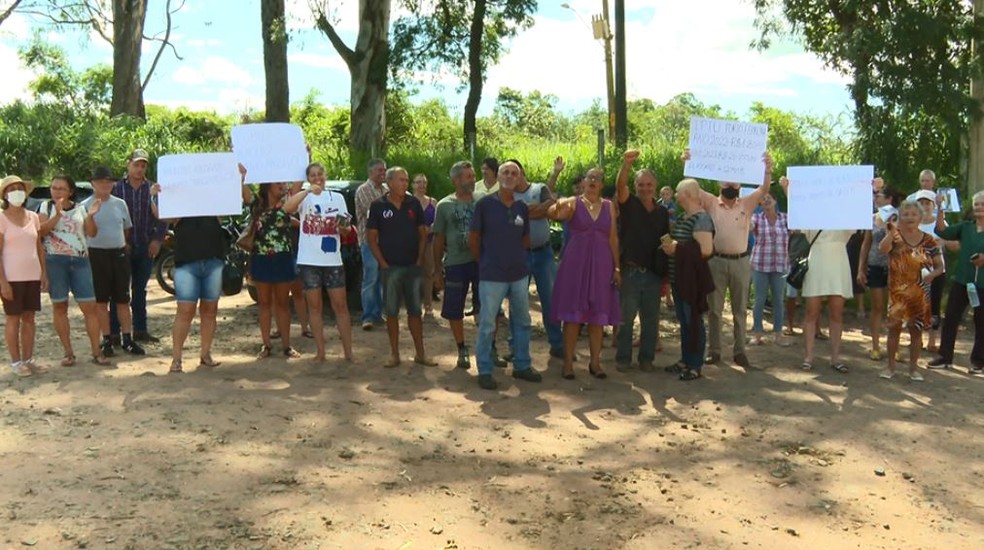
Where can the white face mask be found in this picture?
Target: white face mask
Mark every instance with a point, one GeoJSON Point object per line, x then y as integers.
{"type": "Point", "coordinates": [17, 197]}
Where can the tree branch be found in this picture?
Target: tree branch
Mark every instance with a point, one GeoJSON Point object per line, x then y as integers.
{"type": "Point", "coordinates": [6, 13]}
{"type": "Point", "coordinates": [321, 21]}
{"type": "Point", "coordinates": [166, 41]}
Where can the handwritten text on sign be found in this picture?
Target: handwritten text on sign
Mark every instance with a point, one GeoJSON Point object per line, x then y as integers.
{"type": "Point", "coordinates": [830, 197]}
{"type": "Point", "coordinates": [726, 150]}
{"type": "Point", "coordinates": [199, 184]}
{"type": "Point", "coordinates": [271, 152]}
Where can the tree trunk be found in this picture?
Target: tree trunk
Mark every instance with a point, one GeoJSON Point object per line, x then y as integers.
{"type": "Point", "coordinates": [975, 153]}
{"type": "Point", "coordinates": [476, 73]}
{"type": "Point", "coordinates": [275, 60]}
{"type": "Point", "coordinates": [128, 25]}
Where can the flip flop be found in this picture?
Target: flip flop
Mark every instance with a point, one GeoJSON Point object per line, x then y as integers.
{"type": "Point", "coordinates": [175, 367]}
{"type": "Point", "coordinates": [307, 334]}
{"type": "Point", "coordinates": [207, 361]}
{"type": "Point", "coordinates": [264, 352]}
{"type": "Point", "coordinates": [68, 361]}
{"type": "Point", "coordinates": [100, 360]}
{"type": "Point", "coordinates": [806, 366]}
{"type": "Point", "coordinates": [839, 367]}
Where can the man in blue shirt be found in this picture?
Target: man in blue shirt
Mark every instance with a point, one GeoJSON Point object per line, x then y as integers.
{"type": "Point", "coordinates": [500, 238]}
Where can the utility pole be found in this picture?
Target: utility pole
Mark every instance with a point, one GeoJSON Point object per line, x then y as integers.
{"type": "Point", "coordinates": [621, 110]}
{"type": "Point", "coordinates": [975, 156]}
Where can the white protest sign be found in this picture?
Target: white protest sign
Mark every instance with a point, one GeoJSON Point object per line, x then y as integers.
{"type": "Point", "coordinates": [199, 184]}
{"type": "Point", "coordinates": [951, 202]}
{"type": "Point", "coordinates": [830, 197]}
{"type": "Point", "coordinates": [271, 152]}
{"type": "Point", "coordinates": [726, 150]}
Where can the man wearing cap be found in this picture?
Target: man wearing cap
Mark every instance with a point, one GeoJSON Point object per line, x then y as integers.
{"type": "Point", "coordinates": [109, 262]}
{"type": "Point", "coordinates": [144, 242]}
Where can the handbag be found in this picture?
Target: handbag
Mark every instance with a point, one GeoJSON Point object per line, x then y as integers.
{"type": "Point", "coordinates": [232, 278]}
{"type": "Point", "coordinates": [799, 265]}
{"type": "Point", "coordinates": [245, 241]}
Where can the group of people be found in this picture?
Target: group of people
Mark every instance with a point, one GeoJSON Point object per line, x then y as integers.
{"type": "Point", "coordinates": [488, 239]}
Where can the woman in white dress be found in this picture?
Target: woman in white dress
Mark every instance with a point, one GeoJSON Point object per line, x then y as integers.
{"type": "Point", "coordinates": [829, 277]}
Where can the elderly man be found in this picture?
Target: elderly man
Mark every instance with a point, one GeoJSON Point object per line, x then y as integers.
{"type": "Point", "coordinates": [731, 266]}
{"type": "Point", "coordinates": [397, 237]}
{"type": "Point", "coordinates": [372, 290]}
{"type": "Point", "coordinates": [457, 268]}
{"type": "Point", "coordinates": [499, 238]}
{"type": "Point", "coordinates": [144, 243]}
{"type": "Point", "coordinates": [643, 223]}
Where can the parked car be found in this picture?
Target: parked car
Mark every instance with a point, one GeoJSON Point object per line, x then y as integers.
{"type": "Point", "coordinates": [83, 190]}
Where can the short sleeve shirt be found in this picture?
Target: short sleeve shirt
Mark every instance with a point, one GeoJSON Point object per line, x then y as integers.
{"type": "Point", "coordinates": [67, 238]}
{"type": "Point", "coordinates": [272, 233]}
{"type": "Point", "coordinates": [639, 234]}
{"type": "Point", "coordinates": [732, 224]}
{"type": "Point", "coordinates": [319, 243]}
{"type": "Point", "coordinates": [537, 193]}
{"type": "Point", "coordinates": [501, 228]}
{"type": "Point", "coordinates": [20, 248]}
{"type": "Point", "coordinates": [399, 229]}
{"type": "Point", "coordinates": [453, 220]}
{"type": "Point", "coordinates": [684, 231]}
{"type": "Point", "coordinates": [112, 220]}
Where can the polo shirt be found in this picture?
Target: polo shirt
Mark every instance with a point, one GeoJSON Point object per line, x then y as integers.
{"type": "Point", "coordinates": [731, 224]}
{"type": "Point", "coordinates": [399, 236]}
{"type": "Point", "coordinates": [639, 235]}
{"type": "Point", "coordinates": [502, 256]}
{"type": "Point", "coordinates": [537, 193]}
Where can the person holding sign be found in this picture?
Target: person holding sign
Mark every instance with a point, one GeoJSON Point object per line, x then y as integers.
{"type": "Point", "coordinates": [914, 262]}
{"type": "Point", "coordinates": [730, 265]}
{"type": "Point", "coordinates": [324, 220]}
{"type": "Point", "coordinates": [398, 238]}
{"type": "Point", "coordinates": [372, 289]}
{"type": "Point", "coordinates": [968, 283]}
{"type": "Point", "coordinates": [829, 277]}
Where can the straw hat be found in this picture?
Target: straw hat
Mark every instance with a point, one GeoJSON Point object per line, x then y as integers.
{"type": "Point", "coordinates": [10, 180]}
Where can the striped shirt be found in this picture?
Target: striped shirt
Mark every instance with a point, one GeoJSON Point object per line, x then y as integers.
{"type": "Point", "coordinates": [684, 231]}
{"type": "Point", "coordinates": [146, 227]}
{"type": "Point", "coordinates": [771, 251]}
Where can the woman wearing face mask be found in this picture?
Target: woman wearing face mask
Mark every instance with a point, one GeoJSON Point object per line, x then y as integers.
{"type": "Point", "coordinates": [23, 274]}
{"type": "Point", "coordinates": [770, 262]}
{"type": "Point", "coordinates": [914, 261]}
{"type": "Point", "coordinates": [427, 292]}
{"type": "Point", "coordinates": [873, 264]}
{"type": "Point", "coordinates": [65, 227]}
{"type": "Point", "coordinates": [272, 266]}
{"type": "Point", "coordinates": [968, 282]}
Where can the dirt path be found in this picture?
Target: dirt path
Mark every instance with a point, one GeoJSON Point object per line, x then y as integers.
{"type": "Point", "coordinates": [274, 454]}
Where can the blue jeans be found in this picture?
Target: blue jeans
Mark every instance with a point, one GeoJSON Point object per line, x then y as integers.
{"type": "Point", "coordinates": [141, 265]}
{"type": "Point", "coordinates": [200, 280]}
{"type": "Point", "coordinates": [684, 312]}
{"type": "Point", "coordinates": [372, 288]}
{"type": "Point", "coordinates": [639, 294]}
{"type": "Point", "coordinates": [491, 294]}
{"type": "Point", "coordinates": [543, 269]}
{"type": "Point", "coordinates": [776, 284]}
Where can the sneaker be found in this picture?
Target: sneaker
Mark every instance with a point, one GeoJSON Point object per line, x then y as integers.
{"type": "Point", "coordinates": [529, 375]}
{"type": "Point", "coordinates": [976, 369]}
{"type": "Point", "coordinates": [144, 336]}
{"type": "Point", "coordinates": [366, 325]}
{"type": "Point", "coordinates": [133, 348]}
{"type": "Point", "coordinates": [916, 377]}
{"type": "Point", "coordinates": [938, 363]}
{"type": "Point", "coordinates": [498, 361]}
{"type": "Point", "coordinates": [713, 359]}
{"type": "Point", "coordinates": [107, 348]}
{"type": "Point", "coordinates": [622, 366]}
{"type": "Point", "coordinates": [886, 374]}
{"type": "Point", "coordinates": [464, 362]}
{"type": "Point", "coordinates": [486, 382]}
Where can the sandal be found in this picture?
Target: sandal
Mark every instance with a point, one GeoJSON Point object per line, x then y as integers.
{"type": "Point", "coordinates": [307, 334]}
{"type": "Point", "coordinates": [839, 367]}
{"type": "Point", "coordinates": [175, 367]}
{"type": "Point", "coordinates": [822, 336]}
{"type": "Point", "coordinates": [291, 353]}
{"type": "Point", "coordinates": [599, 374]}
{"type": "Point", "coordinates": [675, 368]}
{"type": "Point", "coordinates": [567, 375]}
{"type": "Point", "coordinates": [68, 360]}
{"type": "Point", "coordinates": [36, 369]}
{"type": "Point", "coordinates": [207, 361]}
{"type": "Point", "coordinates": [689, 374]}
{"type": "Point", "coordinates": [20, 369]}
{"type": "Point", "coordinates": [100, 360]}
{"type": "Point", "coordinates": [264, 352]}
{"type": "Point", "coordinates": [886, 374]}
{"type": "Point", "coordinates": [916, 377]}
{"type": "Point", "coordinates": [789, 332]}
{"type": "Point", "coordinates": [806, 366]}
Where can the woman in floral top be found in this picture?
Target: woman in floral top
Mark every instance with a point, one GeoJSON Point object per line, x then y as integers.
{"type": "Point", "coordinates": [914, 260]}
{"type": "Point", "coordinates": [272, 266]}
{"type": "Point", "coordinates": [770, 262]}
{"type": "Point", "coordinates": [65, 226]}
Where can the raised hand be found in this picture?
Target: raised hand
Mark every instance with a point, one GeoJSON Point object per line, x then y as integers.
{"type": "Point", "coordinates": [94, 206]}
{"type": "Point", "coordinates": [559, 165]}
{"type": "Point", "coordinates": [767, 159]}
{"type": "Point", "coordinates": [155, 189]}
{"type": "Point", "coordinates": [631, 156]}
{"type": "Point", "coordinates": [686, 155]}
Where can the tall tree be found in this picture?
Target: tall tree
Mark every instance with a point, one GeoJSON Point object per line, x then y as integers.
{"type": "Point", "coordinates": [368, 65]}
{"type": "Point", "coordinates": [463, 36]}
{"type": "Point", "coordinates": [7, 9]}
{"type": "Point", "coordinates": [274, 29]}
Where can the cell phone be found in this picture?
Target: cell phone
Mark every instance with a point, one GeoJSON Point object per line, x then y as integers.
{"type": "Point", "coordinates": [666, 238]}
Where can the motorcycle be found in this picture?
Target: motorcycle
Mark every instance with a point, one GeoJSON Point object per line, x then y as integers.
{"type": "Point", "coordinates": [235, 260]}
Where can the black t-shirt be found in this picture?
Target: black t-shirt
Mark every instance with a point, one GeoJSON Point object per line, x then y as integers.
{"type": "Point", "coordinates": [399, 236]}
{"type": "Point", "coordinates": [639, 235]}
{"type": "Point", "coordinates": [197, 239]}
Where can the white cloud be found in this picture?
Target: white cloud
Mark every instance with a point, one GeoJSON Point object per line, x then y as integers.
{"type": "Point", "coordinates": [225, 101]}
{"type": "Point", "coordinates": [333, 61]}
{"type": "Point", "coordinates": [211, 69]}
{"type": "Point", "coordinates": [16, 76]}
{"type": "Point", "coordinates": [204, 43]}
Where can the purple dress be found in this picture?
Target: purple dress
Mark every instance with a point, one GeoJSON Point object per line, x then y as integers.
{"type": "Point", "coordinates": [583, 291]}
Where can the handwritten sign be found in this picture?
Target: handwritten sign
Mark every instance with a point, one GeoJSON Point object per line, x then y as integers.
{"type": "Point", "coordinates": [271, 152]}
{"type": "Point", "coordinates": [830, 197]}
{"type": "Point", "coordinates": [951, 202]}
{"type": "Point", "coordinates": [199, 184]}
{"type": "Point", "coordinates": [726, 150]}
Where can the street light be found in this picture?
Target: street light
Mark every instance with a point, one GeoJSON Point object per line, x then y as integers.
{"type": "Point", "coordinates": [602, 31]}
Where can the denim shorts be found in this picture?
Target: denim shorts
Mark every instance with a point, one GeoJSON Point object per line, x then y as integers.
{"type": "Point", "coordinates": [198, 280]}
{"type": "Point", "coordinates": [69, 273]}
{"type": "Point", "coordinates": [402, 284]}
{"type": "Point", "coordinates": [457, 280]}
{"type": "Point", "coordinates": [314, 277]}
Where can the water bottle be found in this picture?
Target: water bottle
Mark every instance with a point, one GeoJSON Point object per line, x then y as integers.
{"type": "Point", "coordinates": [972, 296]}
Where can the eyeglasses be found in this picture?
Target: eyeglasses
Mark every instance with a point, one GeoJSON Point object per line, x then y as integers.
{"type": "Point", "coordinates": [592, 177]}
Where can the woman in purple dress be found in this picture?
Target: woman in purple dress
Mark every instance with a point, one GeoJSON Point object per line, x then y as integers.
{"type": "Point", "coordinates": [586, 289]}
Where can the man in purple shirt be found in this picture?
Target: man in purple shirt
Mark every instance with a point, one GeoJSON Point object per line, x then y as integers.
{"type": "Point", "coordinates": [144, 244]}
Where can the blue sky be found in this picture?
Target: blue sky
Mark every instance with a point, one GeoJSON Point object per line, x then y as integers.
{"type": "Point", "coordinates": [674, 46]}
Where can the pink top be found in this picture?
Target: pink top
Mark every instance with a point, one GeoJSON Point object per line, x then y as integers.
{"type": "Point", "coordinates": [731, 223]}
{"type": "Point", "coordinates": [20, 248]}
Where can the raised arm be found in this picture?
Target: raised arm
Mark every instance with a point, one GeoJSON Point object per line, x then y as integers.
{"type": "Point", "coordinates": [756, 197]}
{"type": "Point", "coordinates": [558, 167]}
{"type": "Point", "coordinates": [622, 180]}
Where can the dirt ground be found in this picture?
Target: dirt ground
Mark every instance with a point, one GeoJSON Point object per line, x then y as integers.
{"type": "Point", "coordinates": [278, 454]}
